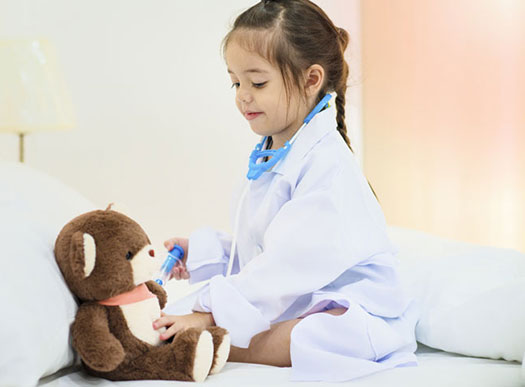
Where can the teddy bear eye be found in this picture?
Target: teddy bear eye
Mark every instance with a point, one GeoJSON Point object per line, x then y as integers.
{"type": "Point", "coordinates": [129, 255]}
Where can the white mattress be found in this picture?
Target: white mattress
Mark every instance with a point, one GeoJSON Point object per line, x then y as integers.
{"type": "Point", "coordinates": [436, 368]}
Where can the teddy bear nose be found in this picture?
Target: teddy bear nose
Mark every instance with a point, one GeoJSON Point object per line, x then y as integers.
{"type": "Point", "coordinates": [152, 253]}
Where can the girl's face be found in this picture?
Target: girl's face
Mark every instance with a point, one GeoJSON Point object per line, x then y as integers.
{"type": "Point", "coordinates": [261, 97]}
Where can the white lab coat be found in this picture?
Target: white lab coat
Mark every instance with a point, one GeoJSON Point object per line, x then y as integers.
{"type": "Point", "coordinates": [312, 237]}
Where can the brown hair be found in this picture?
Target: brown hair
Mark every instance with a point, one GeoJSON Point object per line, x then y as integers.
{"type": "Point", "coordinates": [297, 34]}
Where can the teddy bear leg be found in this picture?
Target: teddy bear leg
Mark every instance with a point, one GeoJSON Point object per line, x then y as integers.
{"type": "Point", "coordinates": [193, 349]}
{"type": "Point", "coordinates": [152, 363]}
{"type": "Point", "coordinates": [221, 348]}
{"type": "Point", "coordinates": [187, 358]}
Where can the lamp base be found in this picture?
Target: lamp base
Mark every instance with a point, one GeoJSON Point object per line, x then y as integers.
{"type": "Point", "coordinates": [21, 147]}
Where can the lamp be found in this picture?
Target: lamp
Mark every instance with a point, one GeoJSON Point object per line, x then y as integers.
{"type": "Point", "coordinates": [33, 95]}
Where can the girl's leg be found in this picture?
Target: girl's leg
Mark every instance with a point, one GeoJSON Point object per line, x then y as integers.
{"type": "Point", "coordinates": [271, 347]}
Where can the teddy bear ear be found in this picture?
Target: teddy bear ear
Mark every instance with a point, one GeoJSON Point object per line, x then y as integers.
{"type": "Point", "coordinates": [119, 207]}
{"type": "Point", "coordinates": [83, 254]}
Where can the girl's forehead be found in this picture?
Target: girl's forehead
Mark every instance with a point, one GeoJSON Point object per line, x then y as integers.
{"type": "Point", "coordinates": [238, 51]}
{"type": "Point", "coordinates": [241, 54]}
{"type": "Point", "coordinates": [241, 60]}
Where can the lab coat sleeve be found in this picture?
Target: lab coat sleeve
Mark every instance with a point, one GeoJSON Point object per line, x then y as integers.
{"type": "Point", "coordinates": [317, 235]}
{"type": "Point", "coordinates": [208, 254]}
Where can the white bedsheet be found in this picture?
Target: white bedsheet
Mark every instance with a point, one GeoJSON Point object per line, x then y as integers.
{"type": "Point", "coordinates": [436, 368]}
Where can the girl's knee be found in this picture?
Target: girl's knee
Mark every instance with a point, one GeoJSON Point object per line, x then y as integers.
{"type": "Point", "coordinates": [239, 355]}
{"type": "Point", "coordinates": [336, 311]}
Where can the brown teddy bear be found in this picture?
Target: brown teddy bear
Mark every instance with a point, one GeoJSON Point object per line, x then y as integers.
{"type": "Point", "coordinates": [107, 261]}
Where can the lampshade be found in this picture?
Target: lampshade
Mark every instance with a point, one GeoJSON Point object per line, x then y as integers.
{"type": "Point", "coordinates": [33, 96]}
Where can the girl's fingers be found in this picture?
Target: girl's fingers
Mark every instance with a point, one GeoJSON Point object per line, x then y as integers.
{"type": "Point", "coordinates": [170, 331]}
{"type": "Point", "coordinates": [170, 243]}
{"type": "Point", "coordinates": [163, 321]}
{"type": "Point", "coordinates": [182, 242]}
{"type": "Point", "coordinates": [177, 272]}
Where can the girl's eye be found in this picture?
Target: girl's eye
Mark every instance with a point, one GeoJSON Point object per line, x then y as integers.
{"type": "Point", "coordinates": [129, 255]}
{"type": "Point", "coordinates": [256, 85]}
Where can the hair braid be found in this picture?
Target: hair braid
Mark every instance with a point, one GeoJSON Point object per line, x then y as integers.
{"type": "Point", "coordinates": [340, 99]}
{"type": "Point", "coordinates": [340, 89]}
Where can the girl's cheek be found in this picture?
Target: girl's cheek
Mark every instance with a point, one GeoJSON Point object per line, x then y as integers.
{"type": "Point", "coordinates": [237, 103]}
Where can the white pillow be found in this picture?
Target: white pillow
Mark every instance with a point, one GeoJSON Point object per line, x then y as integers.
{"type": "Point", "coordinates": [471, 298]}
{"type": "Point", "coordinates": [37, 307]}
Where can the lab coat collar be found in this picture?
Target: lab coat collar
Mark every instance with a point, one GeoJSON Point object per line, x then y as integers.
{"type": "Point", "coordinates": [321, 124]}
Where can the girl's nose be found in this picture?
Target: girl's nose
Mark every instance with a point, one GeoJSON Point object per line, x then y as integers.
{"type": "Point", "coordinates": [244, 96]}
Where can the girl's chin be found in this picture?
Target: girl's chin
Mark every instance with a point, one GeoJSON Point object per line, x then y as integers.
{"type": "Point", "coordinates": [260, 131]}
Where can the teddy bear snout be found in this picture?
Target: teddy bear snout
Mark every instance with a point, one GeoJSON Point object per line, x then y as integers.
{"type": "Point", "coordinates": [152, 253]}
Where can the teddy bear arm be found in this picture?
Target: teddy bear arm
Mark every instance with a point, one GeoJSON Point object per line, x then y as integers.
{"type": "Point", "coordinates": [161, 294]}
{"type": "Point", "coordinates": [97, 346]}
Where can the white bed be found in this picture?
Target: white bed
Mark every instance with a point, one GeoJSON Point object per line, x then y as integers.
{"type": "Point", "coordinates": [436, 368]}
{"type": "Point", "coordinates": [471, 301]}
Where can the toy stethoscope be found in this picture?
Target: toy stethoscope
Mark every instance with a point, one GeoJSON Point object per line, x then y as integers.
{"type": "Point", "coordinates": [256, 169]}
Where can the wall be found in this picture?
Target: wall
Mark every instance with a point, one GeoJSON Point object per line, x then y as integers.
{"type": "Point", "coordinates": [444, 118]}
{"type": "Point", "coordinates": [157, 128]}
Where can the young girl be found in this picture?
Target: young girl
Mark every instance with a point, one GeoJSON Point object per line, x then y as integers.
{"type": "Point", "coordinates": [314, 284]}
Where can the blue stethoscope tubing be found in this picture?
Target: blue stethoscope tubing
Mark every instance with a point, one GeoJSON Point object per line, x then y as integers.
{"type": "Point", "coordinates": [255, 170]}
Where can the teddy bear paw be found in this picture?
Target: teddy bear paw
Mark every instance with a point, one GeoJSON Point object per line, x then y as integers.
{"type": "Point", "coordinates": [203, 357]}
{"type": "Point", "coordinates": [221, 354]}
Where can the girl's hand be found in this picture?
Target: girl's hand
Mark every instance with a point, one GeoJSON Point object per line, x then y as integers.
{"type": "Point", "coordinates": [179, 271]}
{"type": "Point", "coordinates": [176, 323]}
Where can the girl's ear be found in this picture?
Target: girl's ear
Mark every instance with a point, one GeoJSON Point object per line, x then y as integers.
{"type": "Point", "coordinates": [314, 79]}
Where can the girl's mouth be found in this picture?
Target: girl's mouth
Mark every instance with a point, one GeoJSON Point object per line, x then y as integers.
{"type": "Point", "coordinates": [250, 116]}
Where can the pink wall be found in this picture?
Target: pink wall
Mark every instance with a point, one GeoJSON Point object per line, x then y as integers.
{"type": "Point", "coordinates": [347, 14]}
{"type": "Point", "coordinates": [444, 116]}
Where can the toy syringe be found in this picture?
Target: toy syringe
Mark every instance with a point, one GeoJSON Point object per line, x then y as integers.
{"type": "Point", "coordinates": [174, 258]}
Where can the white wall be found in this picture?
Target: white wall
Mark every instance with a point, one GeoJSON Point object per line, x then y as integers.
{"type": "Point", "coordinates": [157, 128]}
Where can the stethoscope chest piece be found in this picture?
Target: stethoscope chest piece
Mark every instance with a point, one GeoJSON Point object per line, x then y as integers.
{"type": "Point", "coordinates": [255, 170]}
